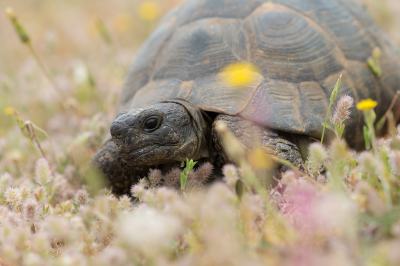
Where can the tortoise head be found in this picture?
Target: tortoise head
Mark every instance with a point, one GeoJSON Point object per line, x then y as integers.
{"type": "Point", "coordinates": [162, 133]}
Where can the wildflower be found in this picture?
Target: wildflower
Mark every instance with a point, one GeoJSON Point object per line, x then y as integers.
{"type": "Point", "coordinates": [13, 219]}
{"type": "Point", "coordinates": [9, 111]}
{"type": "Point", "coordinates": [41, 242]}
{"type": "Point", "coordinates": [30, 211]}
{"type": "Point", "coordinates": [230, 174]}
{"type": "Point", "coordinates": [56, 226]}
{"type": "Point", "coordinates": [124, 202]}
{"type": "Point", "coordinates": [166, 196]}
{"type": "Point", "coordinates": [112, 202]}
{"type": "Point", "coordinates": [317, 153]}
{"type": "Point", "coordinates": [138, 190]}
{"type": "Point", "coordinates": [239, 74]}
{"type": "Point", "coordinates": [339, 150]}
{"type": "Point", "coordinates": [43, 173]}
{"type": "Point", "coordinates": [343, 109]}
{"type": "Point", "coordinates": [173, 178]}
{"type": "Point", "coordinates": [101, 207]}
{"type": "Point", "coordinates": [368, 161]}
{"type": "Point", "coordinates": [13, 196]}
{"type": "Point", "coordinates": [148, 230]}
{"type": "Point", "coordinates": [203, 172]}
{"type": "Point", "coordinates": [149, 10]}
{"type": "Point", "coordinates": [59, 184]}
{"type": "Point", "coordinates": [259, 159]}
{"type": "Point", "coordinates": [144, 182]}
{"type": "Point", "coordinates": [367, 104]}
{"type": "Point", "coordinates": [149, 197]}
{"type": "Point", "coordinates": [25, 191]}
{"type": "Point", "coordinates": [113, 256]}
{"type": "Point", "coordinates": [155, 177]}
{"type": "Point", "coordinates": [82, 197]}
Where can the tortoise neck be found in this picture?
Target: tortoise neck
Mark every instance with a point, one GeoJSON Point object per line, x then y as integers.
{"type": "Point", "coordinates": [201, 127]}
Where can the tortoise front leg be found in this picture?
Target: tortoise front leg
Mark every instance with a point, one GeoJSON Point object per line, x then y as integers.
{"type": "Point", "coordinates": [120, 175]}
{"type": "Point", "coordinates": [252, 135]}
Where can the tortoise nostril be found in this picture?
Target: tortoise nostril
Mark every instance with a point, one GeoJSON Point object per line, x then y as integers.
{"type": "Point", "coordinates": [116, 131]}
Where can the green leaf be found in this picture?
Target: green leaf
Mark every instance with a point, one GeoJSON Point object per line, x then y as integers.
{"type": "Point", "coordinates": [341, 130]}
{"type": "Point", "coordinates": [239, 188]}
{"type": "Point", "coordinates": [328, 127]}
{"type": "Point", "coordinates": [336, 89]}
{"type": "Point", "coordinates": [76, 205]}
{"type": "Point", "coordinates": [182, 164]}
{"type": "Point", "coordinates": [373, 62]}
{"type": "Point", "coordinates": [183, 181]}
{"type": "Point", "coordinates": [380, 123]}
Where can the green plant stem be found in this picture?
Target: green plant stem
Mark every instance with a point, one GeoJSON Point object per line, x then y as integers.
{"type": "Point", "coordinates": [326, 121]}
{"type": "Point", "coordinates": [45, 71]}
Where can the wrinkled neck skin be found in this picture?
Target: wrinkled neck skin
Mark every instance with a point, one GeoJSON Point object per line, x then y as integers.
{"type": "Point", "coordinates": [181, 133]}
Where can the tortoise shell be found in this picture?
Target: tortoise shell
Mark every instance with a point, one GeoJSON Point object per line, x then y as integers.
{"type": "Point", "coordinates": [300, 47]}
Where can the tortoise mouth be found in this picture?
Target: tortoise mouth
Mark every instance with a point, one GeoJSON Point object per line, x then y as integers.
{"type": "Point", "coordinates": [136, 154]}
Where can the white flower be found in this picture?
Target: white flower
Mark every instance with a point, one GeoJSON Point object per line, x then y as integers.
{"type": "Point", "coordinates": [148, 230]}
{"type": "Point", "coordinates": [30, 211]}
{"type": "Point", "coordinates": [13, 196]}
{"type": "Point", "coordinates": [43, 173]}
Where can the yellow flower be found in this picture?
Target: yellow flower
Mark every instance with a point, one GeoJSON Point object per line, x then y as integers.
{"type": "Point", "coordinates": [259, 159]}
{"type": "Point", "coordinates": [122, 22]}
{"type": "Point", "coordinates": [149, 10]}
{"type": "Point", "coordinates": [9, 111]}
{"type": "Point", "coordinates": [239, 74]}
{"type": "Point", "coordinates": [367, 104]}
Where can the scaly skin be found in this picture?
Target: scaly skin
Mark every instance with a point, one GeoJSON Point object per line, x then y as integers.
{"type": "Point", "coordinates": [120, 175]}
{"type": "Point", "coordinates": [181, 133]}
{"type": "Point", "coordinates": [252, 135]}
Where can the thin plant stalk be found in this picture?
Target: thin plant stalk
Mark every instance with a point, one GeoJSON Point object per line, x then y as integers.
{"type": "Point", "coordinates": [332, 100]}
{"type": "Point", "coordinates": [25, 39]}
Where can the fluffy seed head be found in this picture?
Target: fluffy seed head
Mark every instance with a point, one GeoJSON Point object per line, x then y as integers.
{"type": "Point", "coordinates": [43, 173]}
{"type": "Point", "coordinates": [148, 230]}
{"type": "Point", "coordinates": [26, 191]}
{"type": "Point", "coordinates": [144, 182]}
{"type": "Point", "coordinates": [124, 202]}
{"type": "Point", "coordinates": [30, 211]}
{"type": "Point", "coordinates": [204, 172]}
{"type": "Point", "coordinates": [342, 111]}
{"type": "Point", "coordinates": [230, 174]}
{"type": "Point", "coordinates": [13, 196]}
{"type": "Point", "coordinates": [82, 197]}
{"type": "Point", "coordinates": [367, 160]}
{"type": "Point", "coordinates": [155, 177]}
{"type": "Point", "coordinates": [317, 153]}
{"type": "Point", "coordinates": [138, 190]}
{"type": "Point", "coordinates": [173, 178]}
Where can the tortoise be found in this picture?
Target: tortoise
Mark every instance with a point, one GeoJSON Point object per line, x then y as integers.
{"type": "Point", "coordinates": [173, 96]}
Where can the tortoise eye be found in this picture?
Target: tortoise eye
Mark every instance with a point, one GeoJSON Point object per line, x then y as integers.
{"type": "Point", "coordinates": [151, 123]}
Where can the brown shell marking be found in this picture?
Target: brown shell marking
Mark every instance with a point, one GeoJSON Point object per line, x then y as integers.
{"type": "Point", "coordinates": [301, 48]}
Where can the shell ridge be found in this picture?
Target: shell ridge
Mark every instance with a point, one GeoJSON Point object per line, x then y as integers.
{"type": "Point", "coordinates": [315, 23]}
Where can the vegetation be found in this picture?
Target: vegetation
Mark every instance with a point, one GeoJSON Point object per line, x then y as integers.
{"type": "Point", "coordinates": [58, 98]}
